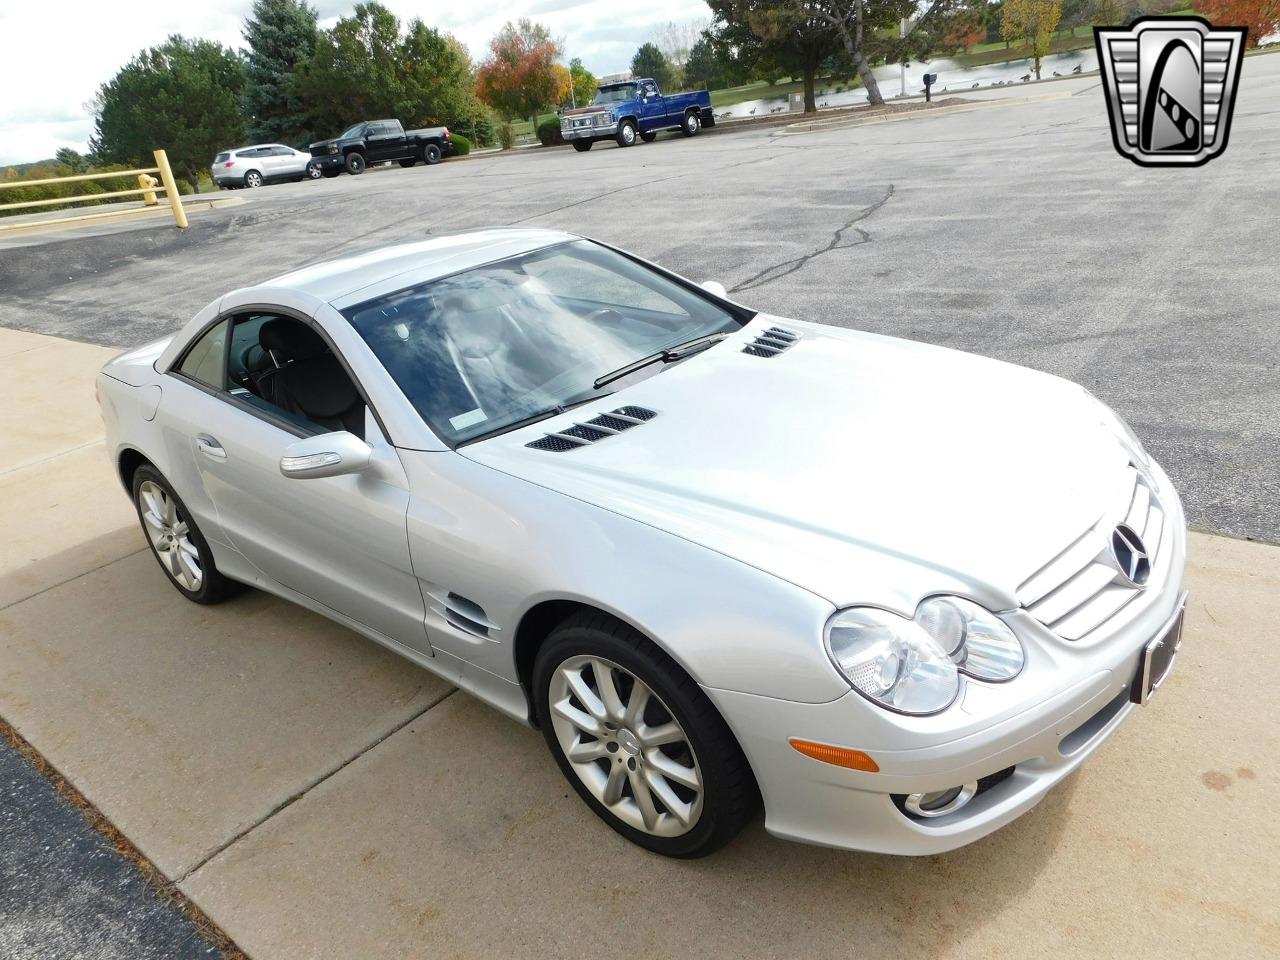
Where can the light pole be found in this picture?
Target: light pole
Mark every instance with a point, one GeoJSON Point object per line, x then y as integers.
{"type": "Point", "coordinates": [902, 35]}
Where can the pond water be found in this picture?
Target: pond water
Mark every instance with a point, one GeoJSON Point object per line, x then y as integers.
{"type": "Point", "coordinates": [952, 79]}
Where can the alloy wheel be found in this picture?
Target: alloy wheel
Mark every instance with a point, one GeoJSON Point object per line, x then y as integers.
{"type": "Point", "coordinates": [253, 179]}
{"type": "Point", "coordinates": [170, 535]}
{"type": "Point", "coordinates": [626, 746]}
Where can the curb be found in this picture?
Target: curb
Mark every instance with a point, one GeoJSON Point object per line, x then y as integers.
{"type": "Point", "coordinates": [822, 126]}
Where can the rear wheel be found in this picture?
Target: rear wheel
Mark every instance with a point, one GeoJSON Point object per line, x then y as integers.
{"type": "Point", "coordinates": [253, 179]}
{"type": "Point", "coordinates": [313, 172]}
{"type": "Point", "coordinates": [355, 164]}
{"type": "Point", "coordinates": [431, 154]}
{"type": "Point", "coordinates": [626, 133]}
{"type": "Point", "coordinates": [582, 146]}
{"type": "Point", "coordinates": [638, 740]}
{"type": "Point", "coordinates": [692, 124]}
{"type": "Point", "coordinates": [176, 542]}
{"type": "Point", "coordinates": [649, 137]}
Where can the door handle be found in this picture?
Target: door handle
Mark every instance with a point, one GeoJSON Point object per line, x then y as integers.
{"type": "Point", "coordinates": [210, 447]}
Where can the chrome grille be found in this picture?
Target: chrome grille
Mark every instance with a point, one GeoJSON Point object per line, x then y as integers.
{"type": "Point", "coordinates": [1080, 589]}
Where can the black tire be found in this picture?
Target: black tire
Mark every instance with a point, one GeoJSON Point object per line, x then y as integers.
{"type": "Point", "coordinates": [730, 796]}
{"type": "Point", "coordinates": [408, 162]}
{"type": "Point", "coordinates": [691, 124]}
{"type": "Point", "coordinates": [355, 164]}
{"type": "Point", "coordinates": [431, 154]}
{"type": "Point", "coordinates": [214, 587]}
{"type": "Point", "coordinates": [649, 137]}
{"type": "Point", "coordinates": [330, 172]}
{"type": "Point", "coordinates": [582, 146]}
{"type": "Point", "coordinates": [627, 131]}
{"type": "Point", "coordinates": [253, 179]}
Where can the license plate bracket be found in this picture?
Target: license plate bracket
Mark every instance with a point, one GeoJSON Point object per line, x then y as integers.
{"type": "Point", "coordinates": [1156, 661]}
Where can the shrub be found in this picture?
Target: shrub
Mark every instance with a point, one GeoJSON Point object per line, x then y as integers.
{"type": "Point", "coordinates": [506, 136]}
{"type": "Point", "coordinates": [549, 132]}
{"type": "Point", "coordinates": [461, 145]}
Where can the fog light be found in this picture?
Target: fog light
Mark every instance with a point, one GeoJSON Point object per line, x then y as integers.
{"type": "Point", "coordinates": [939, 803]}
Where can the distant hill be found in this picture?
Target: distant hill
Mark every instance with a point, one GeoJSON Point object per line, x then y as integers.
{"type": "Point", "coordinates": [21, 168]}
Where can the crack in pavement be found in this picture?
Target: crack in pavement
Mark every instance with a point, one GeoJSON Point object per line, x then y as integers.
{"type": "Point", "coordinates": [788, 267]}
{"type": "Point", "coordinates": [289, 801]}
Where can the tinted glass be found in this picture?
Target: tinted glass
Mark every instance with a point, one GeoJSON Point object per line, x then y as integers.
{"type": "Point", "coordinates": [222, 157]}
{"type": "Point", "coordinates": [281, 152]}
{"type": "Point", "coordinates": [615, 94]}
{"type": "Point", "coordinates": [486, 348]}
{"type": "Point", "coordinates": [204, 361]}
{"type": "Point", "coordinates": [352, 132]}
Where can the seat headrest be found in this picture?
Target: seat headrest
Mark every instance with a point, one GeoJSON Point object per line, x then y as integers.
{"type": "Point", "coordinates": [292, 339]}
{"type": "Point", "coordinates": [320, 387]}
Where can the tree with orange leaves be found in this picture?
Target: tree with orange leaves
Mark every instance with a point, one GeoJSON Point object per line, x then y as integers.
{"type": "Point", "coordinates": [1261, 17]}
{"type": "Point", "coordinates": [520, 76]}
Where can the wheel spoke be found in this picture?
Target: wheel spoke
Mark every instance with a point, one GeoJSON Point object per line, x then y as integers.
{"type": "Point", "coordinates": [584, 751]}
{"type": "Point", "coordinates": [170, 510]}
{"type": "Point", "coordinates": [613, 786]}
{"type": "Point", "coordinates": [181, 530]}
{"type": "Point", "coordinates": [152, 520]}
{"type": "Point", "coordinates": [660, 762]}
{"type": "Point", "coordinates": [190, 569]}
{"type": "Point", "coordinates": [662, 733]}
{"type": "Point", "coordinates": [608, 691]}
{"type": "Point", "coordinates": [644, 799]}
{"type": "Point", "coordinates": [634, 717]}
{"type": "Point", "coordinates": [583, 721]}
{"type": "Point", "coordinates": [679, 809]}
{"type": "Point", "coordinates": [586, 696]}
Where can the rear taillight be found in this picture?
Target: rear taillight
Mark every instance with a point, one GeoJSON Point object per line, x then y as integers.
{"type": "Point", "coordinates": [447, 134]}
{"type": "Point", "coordinates": [231, 163]}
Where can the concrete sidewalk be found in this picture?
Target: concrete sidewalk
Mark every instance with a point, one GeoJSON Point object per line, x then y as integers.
{"type": "Point", "coordinates": [318, 797]}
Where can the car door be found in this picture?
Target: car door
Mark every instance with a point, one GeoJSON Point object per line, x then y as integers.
{"type": "Point", "coordinates": [286, 162]}
{"type": "Point", "coordinates": [652, 109]}
{"type": "Point", "coordinates": [385, 141]}
{"type": "Point", "coordinates": [341, 541]}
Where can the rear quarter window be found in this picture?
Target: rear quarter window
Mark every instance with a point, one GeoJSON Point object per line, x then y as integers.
{"type": "Point", "coordinates": [222, 158]}
{"type": "Point", "coordinates": [204, 359]}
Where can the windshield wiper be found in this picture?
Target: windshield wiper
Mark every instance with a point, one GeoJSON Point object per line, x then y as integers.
{"type": "Point", "coordinates": [678, 352]}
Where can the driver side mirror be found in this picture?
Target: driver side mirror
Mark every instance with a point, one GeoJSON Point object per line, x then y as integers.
{"type": "Point", "coordinates": [715, 287]}
{"type": "Point", "coordinates": [328, 455]}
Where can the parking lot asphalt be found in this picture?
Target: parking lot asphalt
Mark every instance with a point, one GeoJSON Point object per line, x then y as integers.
{"type": "Point", "coordinates": [1013, 230]}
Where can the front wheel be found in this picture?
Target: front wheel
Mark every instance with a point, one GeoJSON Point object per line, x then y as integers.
{"type": "Point", "coordinates": [626, 133]}
{"type": "Point", "coordinates": [175, 540]}
{"type": "Point", "coordinates": [691, 125]}
{"type": "Point", "coordinates": [431, 154]}
{"type": "Point", "coordinates": [639, 741]}
{"type": "Point", "coordinates": [582, 146]}
{"type": "Point", "coordinates": [355, 164]}
{"type": "Point", "coordinates": [649, 137]}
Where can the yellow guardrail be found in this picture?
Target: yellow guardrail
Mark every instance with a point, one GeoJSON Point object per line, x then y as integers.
{"type": "Point", "coordinates": [147, 189]}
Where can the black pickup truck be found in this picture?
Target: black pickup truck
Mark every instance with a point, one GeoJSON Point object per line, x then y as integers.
{"type": "Point", "coordinates": [375, 141]}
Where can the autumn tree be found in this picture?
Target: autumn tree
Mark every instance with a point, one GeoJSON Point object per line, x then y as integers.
{"type": "Point", "coordinates": [519, 77]}
{"type": "Point", "coordinates": [183, 95]}
{"type": "Point", "coordinates": [1032, 21]}
{"type": "Point", "coordinates": [1260, 17]}
{"type": "Point", "coordinates": [964, 29]}
{"type": "Point", "coordinates": [649, 61]}
{"type": "Point", "coordinates": [583, 82]}
{"type": "Point", "coordinates": [280, 35]}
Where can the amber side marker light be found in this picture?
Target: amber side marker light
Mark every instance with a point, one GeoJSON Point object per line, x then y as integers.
{"type": "Point", "coordinates": [836, 756]}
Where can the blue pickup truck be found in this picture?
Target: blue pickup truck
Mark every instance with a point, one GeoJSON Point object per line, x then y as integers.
{"type": "Point", "coordinates": [633, 109]}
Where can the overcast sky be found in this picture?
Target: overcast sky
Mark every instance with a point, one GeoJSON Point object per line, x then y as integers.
{"type": "Point", "coordinates": [45, 83]}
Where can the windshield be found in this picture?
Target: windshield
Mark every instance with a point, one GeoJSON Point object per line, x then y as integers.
{"type": "Point", "coordinates": [490, 347]}
{"type": "Point", "coordinates": [352, 133]}
{"type": "Point", "coordinates": [615, 94]}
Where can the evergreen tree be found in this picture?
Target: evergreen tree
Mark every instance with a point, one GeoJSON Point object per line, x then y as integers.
{"type": "Point", "coordinates": [281, 34]}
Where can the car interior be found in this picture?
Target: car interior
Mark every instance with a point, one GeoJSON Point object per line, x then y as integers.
{"type": "Point", "coordinates": [284, 366]}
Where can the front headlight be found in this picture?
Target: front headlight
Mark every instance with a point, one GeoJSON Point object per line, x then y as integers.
{"type": "Point", "coordinates": [914, 666]}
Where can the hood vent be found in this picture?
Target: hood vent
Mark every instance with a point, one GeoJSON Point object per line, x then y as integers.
{"type": "Point", "coordinates": [771, 343]}
{"type": "Point", "coordinates": [593, 430]}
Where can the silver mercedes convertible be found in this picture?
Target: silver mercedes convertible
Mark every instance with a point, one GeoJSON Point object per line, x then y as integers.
{"type": "Point", "coordinates": [892, 591]}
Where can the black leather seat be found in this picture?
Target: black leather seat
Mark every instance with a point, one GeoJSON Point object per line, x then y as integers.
{"type": "Point", "coordinates": [311, 383]}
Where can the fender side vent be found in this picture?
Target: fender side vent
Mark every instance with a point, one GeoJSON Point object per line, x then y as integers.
{"type": "Point", "coordinates": [594, 430]}
{"type": "Point", "coordinates": [771, 343]}
{"type": "Point", "coordinates": [464, 614]}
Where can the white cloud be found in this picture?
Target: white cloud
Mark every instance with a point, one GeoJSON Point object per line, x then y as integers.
{"type": "Point", "coordinates": [52, 60]}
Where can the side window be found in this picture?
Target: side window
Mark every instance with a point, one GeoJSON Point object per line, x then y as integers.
{"type": "Point", "coordinates": [279, 151]}
{"type": "Point", "coordinates": [203, 361]}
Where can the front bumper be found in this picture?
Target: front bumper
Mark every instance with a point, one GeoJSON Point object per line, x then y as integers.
{"type": "Point", "coordinates": [605, 132]}
{"type": "Point", "coordinates": [330, 161]}
{"type": "Point", "coordinates": [1043, 741]}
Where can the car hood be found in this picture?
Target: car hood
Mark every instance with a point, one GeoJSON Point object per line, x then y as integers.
{"type": "Point", "coordinates": [862, 468]}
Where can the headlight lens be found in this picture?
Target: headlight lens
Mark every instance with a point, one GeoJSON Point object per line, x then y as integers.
{"type": "Point", "coordinates": [892, 660]}
{"type": "Point", "coordinates": [979, 642]}
{"type": "Point", "coordinates": [914, 666]}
